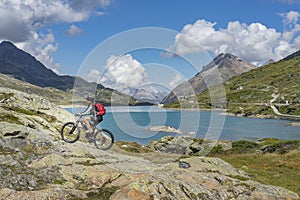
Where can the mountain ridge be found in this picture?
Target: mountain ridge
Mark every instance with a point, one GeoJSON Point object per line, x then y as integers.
{"type": "Point", "coordinates": [227, 65]}
{"type": "Point", "coordinates": [23, 66]}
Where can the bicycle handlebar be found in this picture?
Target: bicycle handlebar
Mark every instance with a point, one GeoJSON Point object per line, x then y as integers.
{"type": "Point", "coordinates": [79, 115]}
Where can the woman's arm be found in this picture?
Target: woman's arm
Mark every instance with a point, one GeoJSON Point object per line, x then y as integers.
{"type": "Point", "coordinates": [87, 110]}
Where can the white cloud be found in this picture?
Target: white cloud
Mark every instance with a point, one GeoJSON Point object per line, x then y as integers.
{"type": "Point", "coordinates": [175, 81]}
{"type": "Point", "coordinates": [30, 15]}
{"type": "Point", "coordinates": [289, 1]}
{"type": "Point", "coordinates": [21, 20]}
{"type": "Point", "coordinates": [290, 34]}
{"type": "Point", "coordinates": [283, 49]}
{"type": "Point", "coordinates": [74, 30]}
{"type": "Point", "coordinates": [94, 76]}
{"type": "Point", "coordinates": [42, 47]}
{"type": "Point", "coordinates": [123, 72]}
{"type": "Point", "coordinates": [290, 18]}
{"type": "Point", "coordinates": [255, 42]}
{"type": "Point", "coordinates": [81, 5]}
{"type": "Point", "coordinates": [12, 27]}
{"type": "Point", "coordinates": [297, 42]}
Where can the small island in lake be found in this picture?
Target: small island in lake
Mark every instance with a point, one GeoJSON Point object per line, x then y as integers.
{"type": "Point", "coordinates": [168, 129]}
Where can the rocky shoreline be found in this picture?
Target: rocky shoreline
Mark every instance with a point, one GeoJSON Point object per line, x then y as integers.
{"type": "Point", "coordinates": [296, 123]}
{"type": "Point", "coordinates": [257, 116]}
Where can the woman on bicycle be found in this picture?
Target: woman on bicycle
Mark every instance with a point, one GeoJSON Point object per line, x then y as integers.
{"type": "Point", "coordinates": [92, 116]}
{"type": "Point", "coordinates": [102, 138]}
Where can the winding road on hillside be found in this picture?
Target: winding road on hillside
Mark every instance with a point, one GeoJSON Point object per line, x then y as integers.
{"type": "Point", "coordinates": [283, 116]}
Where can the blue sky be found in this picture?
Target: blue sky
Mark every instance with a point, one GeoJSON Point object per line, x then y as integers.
{"type": "Point", "coordinates": [63, 33]}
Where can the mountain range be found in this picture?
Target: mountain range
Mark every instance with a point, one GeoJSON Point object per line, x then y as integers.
{"type": "Point", "coordinates": [226, 65]}
{"type": "Point", "coordinates": [21, 65]}
{"type": "Point", "coordinates": [150, 95]}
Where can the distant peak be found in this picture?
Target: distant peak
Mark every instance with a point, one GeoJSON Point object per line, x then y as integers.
{"type": "Point", "coordinates": [270, 61]}
{"type": "Point", "coordinates": [224, 59]}
{"type": "Point", "coordinates": [225, 55]}
{"type": "Point", "coordinates": [7, 44]}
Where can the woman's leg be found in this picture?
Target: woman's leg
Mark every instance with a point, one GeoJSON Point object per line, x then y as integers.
{"type": "Point", "coordinates": [86, 120]}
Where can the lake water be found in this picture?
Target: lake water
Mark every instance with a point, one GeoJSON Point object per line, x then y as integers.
{"type": "Point", "coordinates": [130, 123]}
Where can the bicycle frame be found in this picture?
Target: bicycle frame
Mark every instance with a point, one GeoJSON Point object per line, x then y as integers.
{"type": "Point", "coordinates": [79, 121]}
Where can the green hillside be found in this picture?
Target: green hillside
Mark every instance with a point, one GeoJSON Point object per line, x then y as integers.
{"type": "Point", "coordinates": [281, 79]}
{"type": "Point", "coordinates": [251, 92]}
{"type": "Point", "coordinates": [52, 94]}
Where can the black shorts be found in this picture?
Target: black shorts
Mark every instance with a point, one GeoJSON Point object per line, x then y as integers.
{"type": "Point", "coordinates": [98, 119]}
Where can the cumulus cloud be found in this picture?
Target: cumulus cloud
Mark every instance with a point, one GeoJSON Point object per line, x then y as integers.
{"type": "Point", "coordinates": [175, 80]}
{"type": "Point", "coordinates": [42, 46]}
{"type": "Point", "coordinates": [28, 15]}
{"type": "Point", "coordinates": [12, 28]}
{"type": "Point", "coordinates": [94, 76]}
{"type": "Point", "coordinates": [74, 30]}
{"type": "Point", "coordinates": [255, 42]}
{"type": "Point", "coordinates": [21, 20]}
{"type": "Point", "coordinates": [81, 5]}
{"type": "Point", "coordinates": [290, 18]}
{"type": "Point", "coordinates": [123, 72]}
{"type": "Point", "coordinates": [297, 42]}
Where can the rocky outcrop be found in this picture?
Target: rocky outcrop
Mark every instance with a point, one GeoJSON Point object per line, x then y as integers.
{"type": "Point", "coordinates": [107, 175]}
{"type": "Point", "coordinates": [29, 108]}
{"type": "Point", "coordinates": [36, 164]}
{"type": "Point", "coordinates": [29, 129]}
{"type": "Point", "coordinates": [198, 147]}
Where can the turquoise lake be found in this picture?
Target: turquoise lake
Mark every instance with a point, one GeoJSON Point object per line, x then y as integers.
{"type": "Point", "coordinates": [130, 123]}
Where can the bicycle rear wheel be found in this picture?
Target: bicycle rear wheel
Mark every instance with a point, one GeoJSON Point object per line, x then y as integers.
{"type": "Point", "coordinates": [104, 139]}
{"type": "Point", "coordinates": [69, 132]}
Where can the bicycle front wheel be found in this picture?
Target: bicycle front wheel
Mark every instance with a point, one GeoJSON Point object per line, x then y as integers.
{"type": "Point", "coordinates": [69, 132]}
{"type": "Point", "coordinates": [104, 139]}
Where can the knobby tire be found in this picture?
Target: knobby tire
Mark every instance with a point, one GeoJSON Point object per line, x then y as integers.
{"type": "Point", "coordinates": [69, 129]}
{"type": "Point", "coordinates": [104, 139]}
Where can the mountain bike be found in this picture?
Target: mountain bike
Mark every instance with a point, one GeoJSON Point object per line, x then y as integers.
{"type": "Point", "coordinates": [102, 138]}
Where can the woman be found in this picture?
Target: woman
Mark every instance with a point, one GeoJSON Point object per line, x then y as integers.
{"type": "Point", "coordinates": [92, 116]}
